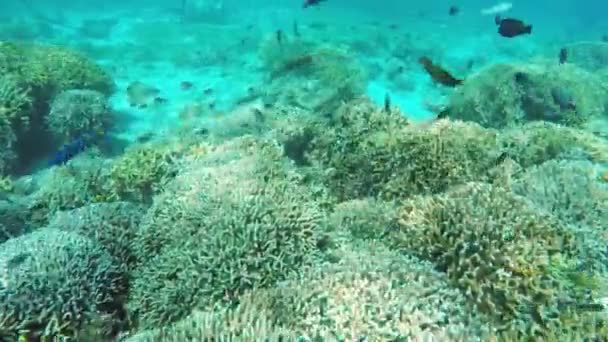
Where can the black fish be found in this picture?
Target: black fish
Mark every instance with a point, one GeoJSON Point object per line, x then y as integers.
{"type": "Point", "coordinates": [439, 74]}
{"type": "Point", "coordinates": [279, 37]}
{"type": "Point", "coordinates": [563, 55]}
{"type": "Point", "coordinates": [454, 10]}
{"type": "Point", "coordinates": [308, 3]}
{"type": "Point", "coordinates": [387, 103]}
{"type": "Point", "coordinates": [510, 27]}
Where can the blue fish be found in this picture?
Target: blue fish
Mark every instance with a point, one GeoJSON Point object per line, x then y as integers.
{"type": "Point", "coordinates": [74, 148]}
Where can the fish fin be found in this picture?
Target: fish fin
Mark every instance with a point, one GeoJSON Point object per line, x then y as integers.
{"type": "Point", "coordinates": [528, 29]}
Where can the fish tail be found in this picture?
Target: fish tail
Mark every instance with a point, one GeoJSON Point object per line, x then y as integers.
{"type": "Point", "coordinates": [528, 29]}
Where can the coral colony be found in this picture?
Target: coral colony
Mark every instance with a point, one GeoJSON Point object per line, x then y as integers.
{"type": "Point", "coordinates": [303, 172]}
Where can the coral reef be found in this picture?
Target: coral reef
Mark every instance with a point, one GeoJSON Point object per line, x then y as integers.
{"type": "Point", "coordinates": [497, 248]}
{"type": "Point", "coordinates": [64, 188]}
{"type": "Point", "coordinates": [247, 322]}
{"type": "Point", "coordinates": [537, 142]}
{"type": "Point", "coordinates": [365, 218]}
{"type": "Point", "coordinates": [336, 76]}
{"type": "Point", "coordinates": [112, 225]}
{"type": "Point", "coordinates": [571, 191]}
{"type": "Point", "coordinates": [55, 283]}
{"type": "Point", "coordinates": [590, 55]}
{"type": "Point", "coordinates": [371, 293]}
{"type": "Point", "coordinates": [141, 172]}
{"type": "Point", "coordinates": [13, 219]}
{"type": "Point", "coordinates": [369, 152]}
{"type": "Point", "coordinates": [375, 294]}
{"type": "Point", "coordinates": [505, 95]}
{"type": "Point", "coordinates": [31, 77]}
{"type": "Point", "coordinates": [76, 112]}
{"type": "Point", "coordinates": [15, 106]}
{"type": "Point", "coordinates": [242, 225]}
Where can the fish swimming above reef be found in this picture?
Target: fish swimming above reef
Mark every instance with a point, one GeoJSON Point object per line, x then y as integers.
{"type": "Point", "coordinates": [453, 10]}
{"type": "Point", "coordinates": [510, 27]}
{"type": "Point", "coordinates": [563, 55]}
{"type": "Point", "coordinates": [74, 148]}
{"type": "Point", "coordinates": [438, 74]}
{"type": "Point", "coordinates": [309, 3]}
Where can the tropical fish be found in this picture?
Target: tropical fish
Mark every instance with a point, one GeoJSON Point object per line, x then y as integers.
{"type": "Point", "coordinates": [308, 3]}
{"type": "Point", "coordinates": [510, 27]}
{"type": "Point", "coordinates": [70, 150]}
{"type": "Point", "coordinates": [185, 85]}
{"type": "Point", "coordinates": [438, 74]}
{"type": "Point", "coordinates": [563, 55]}
{"type": "Point", "coordinates": [453, 10]}
{"type": "Point", "coordinates": [387, 102]}
{"type": "Point", "coordinates": [279, 36]}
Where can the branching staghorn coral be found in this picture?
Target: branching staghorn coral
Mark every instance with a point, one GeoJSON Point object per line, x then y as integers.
{"type": "Point", "coordinates": [142, 172]}
{"type": "Point", "coordinates": [15, 101]}
{"type": "Point", "coordinates": [55, 283]}
{"type": "Point", "coordinates": [498, 249]}
{"type": "Point", "coordinates": [505, 95]}
{"type": "Point", "coordinates": [369, 152]}
{"type": "Point", "coordinates": [64, 188]}
{"type": "Point", "coordinates": [537, 142]}
{"type": "Point", "coordinates": [370, 293]}
{"type": "Point", "coordinates": [376, 294]}
{"type": "Point", "coordinates": [244, 223]}
{"type": "Point", "coordinates": [111, 225]}
{"type": "Point", "coordinates": [76, 112]}
{"type": "Point", "coordinates": [32, 76]}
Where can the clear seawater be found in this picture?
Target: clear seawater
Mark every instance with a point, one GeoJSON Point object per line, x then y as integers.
{"type": "Point", "coordinates": [211, 53]}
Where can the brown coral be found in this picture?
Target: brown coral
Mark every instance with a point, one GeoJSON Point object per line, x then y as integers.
{"type": "Point", "coordinates": [494, 246]}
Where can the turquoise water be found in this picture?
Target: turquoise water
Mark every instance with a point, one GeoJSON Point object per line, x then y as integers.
{"type": "Point", "coordinates": [200, 170]}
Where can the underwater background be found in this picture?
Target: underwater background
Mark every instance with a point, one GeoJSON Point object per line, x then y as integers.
{"type": "Point", "coordinates": [303, 170]}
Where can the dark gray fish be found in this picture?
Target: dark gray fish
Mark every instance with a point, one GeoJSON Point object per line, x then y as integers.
{"type": "Point", "coordinates": [387, 103]}
{"type": "Point", "coordinates": [510, 27]}
{"type": "Point", "coordinates": [563, 55]}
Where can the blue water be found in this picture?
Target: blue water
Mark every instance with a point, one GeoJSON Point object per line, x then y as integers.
{"type": "Point", "coordinates": [201, 67]}
{"type": "Point", "coordinates": [454, 40]}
